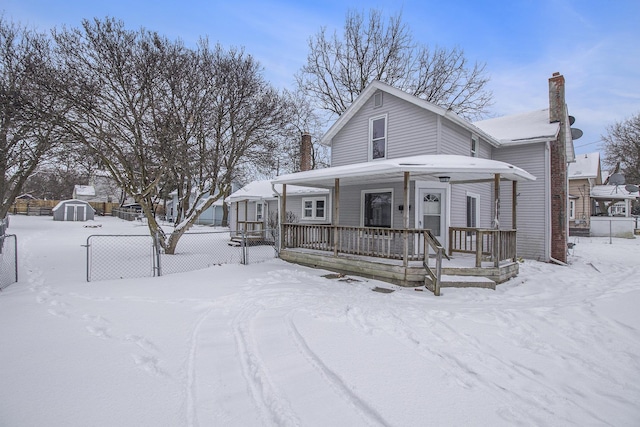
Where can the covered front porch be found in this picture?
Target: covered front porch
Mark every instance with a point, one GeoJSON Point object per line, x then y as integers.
{"type": "Point", "coordinates": [427, 249]}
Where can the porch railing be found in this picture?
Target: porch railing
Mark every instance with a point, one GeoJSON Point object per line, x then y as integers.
{"type": "Point", "coordinates": [367, 241]}
{"type": "Point", "coordinates": [487, 244]}
{"type": "Point", "coordinates": [250, 228]}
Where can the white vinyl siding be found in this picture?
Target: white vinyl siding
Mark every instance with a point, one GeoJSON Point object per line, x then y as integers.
{"type": "Point", "coordinates": [533, 206]}
{"type": "Point", "coordinates": [411, 130]}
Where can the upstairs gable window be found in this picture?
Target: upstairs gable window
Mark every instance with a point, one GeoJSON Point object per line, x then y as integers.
{"type": "Point", "coordinates": [378, 137]}
{"type": "Point", "coordinates": [474, 146]}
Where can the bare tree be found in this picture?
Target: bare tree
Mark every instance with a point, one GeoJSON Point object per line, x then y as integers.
{"type": "Point", "coordinates": [30, 109]}
{"type": "Point", "coordinates": [622, 147]}
{"type": "Point", "coordinates": [162, 117]}
{"type": "Point", "coordinates": [339, 67]}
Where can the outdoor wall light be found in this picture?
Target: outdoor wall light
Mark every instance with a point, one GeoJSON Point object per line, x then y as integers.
{"type": "Point", "coordinates": [401, 207]}
{"type": "Point", "coordinates": [444, 178]}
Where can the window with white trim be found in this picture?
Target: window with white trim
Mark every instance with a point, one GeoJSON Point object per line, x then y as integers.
{"type": "Point", "coordinates": [378, 137]}
{"type": "Point", "coordinates": [377, 208]}
{"type": "Point", "coordinates": [314, 208]}
{"type": "Point", "coordinates": [473, 209]}
{"type": "Point", "coordinates": [572, 209]}
{"type": "Point", "coordinates": [474, 146]}
{"type": "Point", "coordinates": [259, 211]}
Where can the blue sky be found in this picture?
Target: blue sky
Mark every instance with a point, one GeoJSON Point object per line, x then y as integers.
{"type": "Point", "coordinates": [593, 43]}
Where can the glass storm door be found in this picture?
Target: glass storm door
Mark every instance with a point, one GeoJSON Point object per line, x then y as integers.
{"type": "Point", "coordinates": [432, 212]}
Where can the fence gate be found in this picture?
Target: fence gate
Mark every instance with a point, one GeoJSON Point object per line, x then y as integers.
{"type": "Point", "coordinates": [8, 260]}
{"type": "Point", "coordinates": [119, 257]}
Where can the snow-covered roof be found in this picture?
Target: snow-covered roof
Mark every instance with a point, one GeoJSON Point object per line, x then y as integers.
{"type": "Point", "coordinates": [586, 166]}
{"type": "Point", "coordinates": [72, 201]}
{"type": "Point", "coordinates": [84, 190]}
{"type": "Point", "coordinates": [259, 190]}
{"type": "Point", "coordinates": [376, 85]}
{"type": "Point", "coordinates": [425, 167]}
{"type": "Point", "coordinates": [523, 128]}
{"type": "Point", "coordinates": [612, 192]}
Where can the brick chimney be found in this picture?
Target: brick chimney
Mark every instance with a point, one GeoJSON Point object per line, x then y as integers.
{"type": "Point", "coordinates": [559, 175]}
{"type": "Point", "coordinates": [305, 152]}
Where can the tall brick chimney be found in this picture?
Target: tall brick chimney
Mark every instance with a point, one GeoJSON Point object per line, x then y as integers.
{"type": "Point", "coordinates": [559, 175]}
{"type": "Point", "coordinates": [305, 152]}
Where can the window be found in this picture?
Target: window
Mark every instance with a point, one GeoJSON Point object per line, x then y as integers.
{"type": "Point", "coordinates": [259, 211]}
{"type": "Point", "coordinates": [472, 210]}
{"type": "Point", "coordinates": [377, 99]}
{"type": "Point", "coordinates": [572, 209]}
{"type": "Point", "coordinates": [378, 138]}
{"type": "Point", "coordinates": [474, 146]}
{"type": "Point", "coordinates": [377, 208]}
{"type": "Point", "coordinates": [314, 208]}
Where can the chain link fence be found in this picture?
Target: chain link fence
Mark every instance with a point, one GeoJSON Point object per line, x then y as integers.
{"type": "Point", "coordinates": [131, 256]}
{"type": "Point", "coordinates": [8, 260]}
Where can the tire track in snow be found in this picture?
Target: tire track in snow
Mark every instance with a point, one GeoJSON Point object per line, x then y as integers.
{"type": "Point", "coordinates": [190, 392]}
{"type": "Point", "coordinates": [333, 380]}
{"type": "Point", "coordinates": [273, 408]}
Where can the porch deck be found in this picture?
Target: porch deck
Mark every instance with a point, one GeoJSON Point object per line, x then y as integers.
{"type": "Point", "coordinates": [398, 256]}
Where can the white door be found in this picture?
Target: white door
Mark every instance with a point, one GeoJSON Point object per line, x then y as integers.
{"type": "Point", "coordinates": [432, 214]}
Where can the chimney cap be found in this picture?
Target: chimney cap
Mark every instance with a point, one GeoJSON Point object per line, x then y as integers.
{"type": "Point", "coordinates": [557, 73]}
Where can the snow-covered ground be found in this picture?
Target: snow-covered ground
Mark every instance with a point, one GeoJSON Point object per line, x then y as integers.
{"type": "Point", "coordinates": [277, 344]}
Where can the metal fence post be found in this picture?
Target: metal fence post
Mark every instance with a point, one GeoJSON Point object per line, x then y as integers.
{"type": "Point", "coordinates": [243, 256]}
{"type": "Point", "coordinates": [156, 244]}
{"type": "Point", "coordinates": [15, 245]}
{"type": "Point", "coordinates": [88, 262]}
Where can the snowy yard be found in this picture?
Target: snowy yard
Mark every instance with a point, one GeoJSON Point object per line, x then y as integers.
{"type": "Point", "coordinates": [276, 344]}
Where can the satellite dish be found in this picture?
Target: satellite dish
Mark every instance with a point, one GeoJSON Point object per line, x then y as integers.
{"type": "Point", "coordinates": [576, 133]}
{"type": "Point", "coordinates": [572, 120]}
{"type": "Point", "coordinates": [616, 179]}
{"type": "Point", "coordinates": [631, 188]}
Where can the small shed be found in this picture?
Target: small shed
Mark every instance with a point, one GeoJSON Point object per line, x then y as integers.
{"type": "Point", "coordinates": [73, 210]}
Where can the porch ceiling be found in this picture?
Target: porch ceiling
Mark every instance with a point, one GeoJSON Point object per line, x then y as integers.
{"type": "Point", "coordinates": [459, 169]}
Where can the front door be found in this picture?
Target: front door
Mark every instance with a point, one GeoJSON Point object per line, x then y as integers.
{"type": "Point", "coordinates": [432, 212]}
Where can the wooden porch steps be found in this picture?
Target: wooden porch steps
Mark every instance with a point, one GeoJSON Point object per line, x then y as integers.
{"type": "Point", "coordinates": [454, 281]}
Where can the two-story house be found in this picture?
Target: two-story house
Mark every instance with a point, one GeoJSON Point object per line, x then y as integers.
{"type": "Point", "coordinates": [408, 178]}
{"type": "Point", "coordinates": [584, 174]}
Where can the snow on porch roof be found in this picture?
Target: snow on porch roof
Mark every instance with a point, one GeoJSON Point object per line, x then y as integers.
{"type": "Point", "coordinates": [426, 167]}
{"type": "Point", "coordinates": [260, 190]}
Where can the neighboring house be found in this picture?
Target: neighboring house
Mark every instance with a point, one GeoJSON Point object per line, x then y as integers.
{"type": "Point", "coordinates": [73, 210]}
{"type": "Point", "coordinates": [84, 192]}
{"type": "Point", "coordinates": [584, 174]}
{"type": "Point", "coordinates": [612, 210]}
{"type": "Point", "coordinates": [213, 215]}
{"type": "Point", "coordinates": [401, 165]}
{"type": "Point", "coordinates": [254, 207]}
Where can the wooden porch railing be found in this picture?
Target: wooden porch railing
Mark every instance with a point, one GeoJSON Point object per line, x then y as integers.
{"type": "Point", "coordinates": [250, 228]}
{"type": "Point", "coordinates": [430, 241]}
{"type": "Point", "coordinates": [366, 241]}
{"type": "Point", "coordinates": [486, 244]}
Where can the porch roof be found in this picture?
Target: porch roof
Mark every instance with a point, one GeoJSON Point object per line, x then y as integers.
{"type": "Point", "coordinates": [459, 169]}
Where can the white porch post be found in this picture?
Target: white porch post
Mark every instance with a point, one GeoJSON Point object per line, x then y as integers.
{"type": "Point", "coordinates": [283, 215]}
{"type": "Point", "coordinates": [405, 217]}
{"type": "Point", "coordinates": [514, 203]}
{"type": "Point", "coordinates": [496, 225]}
{"type": "Point", "coordinates": [336, 216]}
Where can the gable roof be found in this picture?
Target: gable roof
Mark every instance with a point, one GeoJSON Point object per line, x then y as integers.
{"type": "Point", "coordinates": [376, 85]}
{"type": "Point", "coordinates": [586, 166]}
{"type": "Point", "coordinates": [523, 128]}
